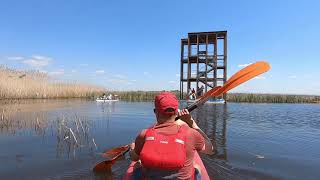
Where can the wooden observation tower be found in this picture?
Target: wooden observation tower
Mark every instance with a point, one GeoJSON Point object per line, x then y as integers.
{"type": "Point", "coordinates": [203, 61]}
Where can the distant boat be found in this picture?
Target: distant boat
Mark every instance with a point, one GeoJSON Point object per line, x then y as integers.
{"type": "Point", "coordinates": [106, 100]}
{"type": "Point", "coordinates": [211, 101]}
{"type": "Point", "coordinates": [114, 98]}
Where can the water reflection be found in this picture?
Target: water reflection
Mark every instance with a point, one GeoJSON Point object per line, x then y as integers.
{"type": "Point", "coordinates": [72, 132]}
{"type": "Point", "coordinates": [61, 139]}
{"type": "Point", "coordinates": [21, 123]}
{"type": "Point", "coordinates": [107, 107]}
{"type": "Point", "coordinates": [212, 119]}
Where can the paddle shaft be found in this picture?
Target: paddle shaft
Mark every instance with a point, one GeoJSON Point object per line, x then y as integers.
{"type": "Point", "coordinates": [191, 108]}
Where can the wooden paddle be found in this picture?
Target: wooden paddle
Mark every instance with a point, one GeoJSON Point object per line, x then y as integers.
{"type": "Point", "coordinates": [116, 153]}
{"type": "Point", "coordinates": [240, 77]}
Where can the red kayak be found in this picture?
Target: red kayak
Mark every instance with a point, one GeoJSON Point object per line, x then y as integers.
{"type": "Point", "coordinates": [197, 159]}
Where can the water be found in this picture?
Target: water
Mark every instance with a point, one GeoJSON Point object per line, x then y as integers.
{"type": "Point", "coordinates": [254, 141]}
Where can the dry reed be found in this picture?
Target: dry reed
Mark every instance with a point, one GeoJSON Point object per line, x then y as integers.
{"type": "Point", "coordinates": [16, 84]}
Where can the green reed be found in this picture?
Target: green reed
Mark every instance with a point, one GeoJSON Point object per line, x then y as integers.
{"type": "Point", "coordinates": [231, 97]}
{"type": "Point", "coordinates": [139, 95]}
{"type": "Point", "coordinates": [272, 98]}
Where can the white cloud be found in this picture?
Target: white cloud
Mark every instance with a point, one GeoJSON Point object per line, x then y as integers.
{"type": "Point", "coordinates": [37, 61]}
{"type": "Point", "coordinates": [147, 74]}
{"type": "Point", "coordinates": [15, 58]}
{"type": "Point", "coordinates": [293, 77]}
{"type": "Point", "coordinates": [116, 81]}
{"type": "Point", "coordinates": [73, 71]}
{"type": "Point", "coordinates": [40, 57]}
{"type": "Point", "coordinates": [119, 76]}
{"type": "Point", "coordinates": [84, 65]}
{"type": "Point", "coordinates": [260, 77]}
{"type": "Point", "coordinates": [177, 75]}
{"type": "Point", "coordinates": [243, 65]}
{"type": "Point", "coordinates": [100, 72]}
{"type": "Point", "coordinates": [172, 82]}
{"type": "Point", "coordinates": [57, 73]}
{"type": "Point", "coordinates": [43, 71]}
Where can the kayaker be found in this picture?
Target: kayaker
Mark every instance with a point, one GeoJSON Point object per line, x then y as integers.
{"type": "Point", "coordinates": [193, 94]}
{"type": "Point", "coordinates": [166, 150]}
{"type": "Point", "coordinates": [189, 93]}
{"type": "Point", "coordinates": [109, 97]}
{"type": "Point", "coordinates": [200, 91]}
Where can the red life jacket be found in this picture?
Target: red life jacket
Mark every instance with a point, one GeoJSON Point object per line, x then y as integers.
{"type": "Point", "coordinates": [163, 151]}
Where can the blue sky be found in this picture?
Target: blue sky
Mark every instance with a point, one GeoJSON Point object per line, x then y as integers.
{"type": "Point", "coordinates": [130, 45]}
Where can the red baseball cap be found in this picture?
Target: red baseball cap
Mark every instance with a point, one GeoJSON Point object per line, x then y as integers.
{"type": "Point", "coordinates": [165, 101]}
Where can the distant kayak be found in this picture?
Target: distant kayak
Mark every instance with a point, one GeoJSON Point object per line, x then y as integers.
{"type": "Point", "coordinates": [216, 101]}
{"type": "Point", "coordinates": [197, 160]}
{"type": "Point", "coordinates": [107, 100]}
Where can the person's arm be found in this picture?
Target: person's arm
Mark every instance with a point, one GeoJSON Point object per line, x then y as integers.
{"type": "Point", "coordinates": [136, 147]}
{"type": "Point", "coordinates": [185, 116]}
{"type": "Point", "coordinates": [133, 155]}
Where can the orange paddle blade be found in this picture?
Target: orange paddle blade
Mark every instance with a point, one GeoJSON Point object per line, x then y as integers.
{"type": "Point", "coordinates": [207, 95]}
{"type": "Point", "coordinates": [243, 75]}
{"type": "Point", "coordinates": [240, 77]}
{"type": "Point", "coordinates": [115, 151]}
{"type": "Point", "coordinates": [248, 68]}
{"type": "Point", "coordinates": [103, 166]}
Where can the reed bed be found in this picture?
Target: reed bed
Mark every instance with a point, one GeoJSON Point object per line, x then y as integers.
{"type": "Point", "coordinates": [231, 97]}
{"type": "Point", "coordinates": [139, 95]}
{"type": "Point", "coordinates": [272, 98]}
{"type": "Point", "coordinates": [15, 84]}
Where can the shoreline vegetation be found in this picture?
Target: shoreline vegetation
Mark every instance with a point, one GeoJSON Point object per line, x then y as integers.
{"type": "Point", "coordinates": [231, 97]}
{"type": "Point", "coordinates": [17, 84]}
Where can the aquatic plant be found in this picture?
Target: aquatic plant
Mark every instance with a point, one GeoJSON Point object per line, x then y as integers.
{"type": "Point", "coordinates": [72, 132]}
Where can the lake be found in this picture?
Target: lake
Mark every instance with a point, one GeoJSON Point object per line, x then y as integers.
{"type": "Point", "coordinates": [63, 139]}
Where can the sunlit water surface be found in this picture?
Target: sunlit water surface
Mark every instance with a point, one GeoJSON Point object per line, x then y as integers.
{"type": "Point", "coordinates": [62, 139]}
